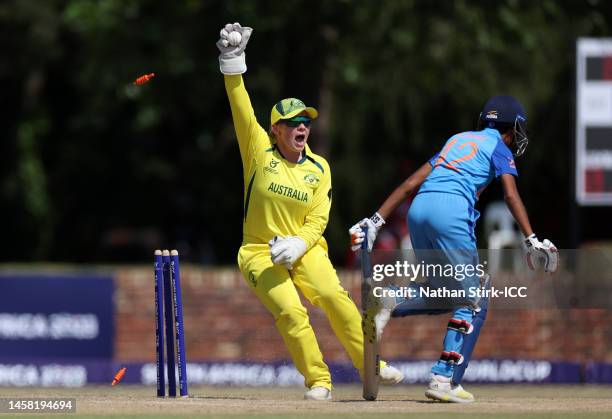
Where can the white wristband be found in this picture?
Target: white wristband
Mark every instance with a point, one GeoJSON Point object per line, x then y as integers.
{"type": "Point", "coordinates": [377, 220]}
{"type": "Point", "coordinates": [233, 65]}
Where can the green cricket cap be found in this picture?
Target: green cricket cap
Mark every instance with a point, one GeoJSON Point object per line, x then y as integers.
{"type": "Point", "coordinates": [290, 107]}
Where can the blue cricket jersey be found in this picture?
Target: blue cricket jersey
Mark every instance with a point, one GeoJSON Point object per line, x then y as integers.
{"type": "Point", "coordinates": [468, 163]}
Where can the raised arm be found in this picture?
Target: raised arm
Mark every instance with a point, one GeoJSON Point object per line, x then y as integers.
{"type": "Point", "coordinates": [248, 130]}
{"type": "Point", "coordinates": [232, 42]}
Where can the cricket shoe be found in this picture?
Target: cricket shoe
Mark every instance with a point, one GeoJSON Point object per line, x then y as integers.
{"type": "Point", "coordinates": [390, 376]}
{"type": "Point", "coordinates": [441, 388]}
{"type": "Point", "coordinates": [321, 394]}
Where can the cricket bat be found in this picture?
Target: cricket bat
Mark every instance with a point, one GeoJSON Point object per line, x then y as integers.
{"type": "Point", "coordinates": [369, 308]}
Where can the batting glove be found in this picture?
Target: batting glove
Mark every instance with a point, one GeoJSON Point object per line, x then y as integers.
{"type": "Point", "coordinates": [286, 251]}
{"type": "Point", "coordinates": [233, 39]}
{"type": "Point", "coordinates": [374, 223]}
{"type": "Point", "coordinates": [541, 252]}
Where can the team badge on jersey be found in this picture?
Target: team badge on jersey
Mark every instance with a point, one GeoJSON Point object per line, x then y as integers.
{"type": "Point", "coordinates": [311, 179]}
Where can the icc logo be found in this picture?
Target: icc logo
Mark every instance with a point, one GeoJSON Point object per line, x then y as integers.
{"type": "Point", "coordinates": [271, 168]}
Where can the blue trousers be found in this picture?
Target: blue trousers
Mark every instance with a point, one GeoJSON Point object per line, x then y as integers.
{"type": "Point", "coordinates": [442, 233]}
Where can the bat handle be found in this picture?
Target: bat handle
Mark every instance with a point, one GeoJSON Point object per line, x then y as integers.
{"type": "Point", "coordinates": [364, 243]}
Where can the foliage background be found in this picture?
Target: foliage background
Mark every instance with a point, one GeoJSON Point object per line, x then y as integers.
{"type": "Point", "coordinates": [97, 170]}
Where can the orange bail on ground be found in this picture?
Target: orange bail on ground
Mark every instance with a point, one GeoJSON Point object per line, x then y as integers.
{"type": "Point", "coordinates": [119, 376]}
{"type": "Point", "coordinates": [144, 79]}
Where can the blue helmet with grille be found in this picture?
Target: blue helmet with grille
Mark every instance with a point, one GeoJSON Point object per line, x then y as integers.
{"type": "Point", "coordinates": [506, 112]}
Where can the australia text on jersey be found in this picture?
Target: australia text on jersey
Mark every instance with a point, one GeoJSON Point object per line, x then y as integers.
{"type": "Point", "coordinates": [288, 191]}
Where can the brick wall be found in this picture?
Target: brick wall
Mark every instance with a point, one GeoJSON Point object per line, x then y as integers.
{"type": "Point", "coordinates": [225, 321]}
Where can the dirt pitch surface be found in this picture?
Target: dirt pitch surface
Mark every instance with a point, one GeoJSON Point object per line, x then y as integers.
{"type": "Point", "coordinates": [498, 401]}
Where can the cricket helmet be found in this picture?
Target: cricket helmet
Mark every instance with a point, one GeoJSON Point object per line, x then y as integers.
{"type": "Point", "coordinates": [506, 111]}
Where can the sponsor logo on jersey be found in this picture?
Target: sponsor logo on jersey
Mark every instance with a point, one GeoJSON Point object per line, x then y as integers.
{"type": "Point", "coordinates": [311, 179]}
{"type": "Point", "coordinates": [288, 191]}
{"type": "Point", "coordinates": [511, 163]}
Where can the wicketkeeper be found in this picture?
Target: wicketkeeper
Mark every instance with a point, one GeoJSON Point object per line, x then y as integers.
{"type": "Point", "coordinates": [287, 199]}
{"type": "Point", "coordinates": [442, 220]}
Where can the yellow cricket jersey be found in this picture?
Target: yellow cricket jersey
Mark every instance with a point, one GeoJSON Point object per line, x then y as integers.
{"type": "Point", "coordinates": [280, 198]}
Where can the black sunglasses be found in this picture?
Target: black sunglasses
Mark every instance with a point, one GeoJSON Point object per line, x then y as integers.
{"type": "Point", "coordinates": [295, 122]}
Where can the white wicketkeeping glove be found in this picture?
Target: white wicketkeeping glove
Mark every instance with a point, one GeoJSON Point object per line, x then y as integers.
{"type": "Point", "coordinates": [374, 223]}
{"type": "Point", "coordinates": [286, 251]}
{"type": "Point", "coordinates": [541, 252]}
{"type": "Point", "coordinates": [232, 42]}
